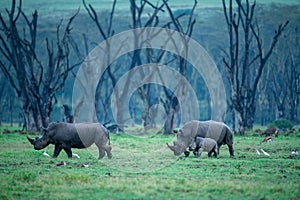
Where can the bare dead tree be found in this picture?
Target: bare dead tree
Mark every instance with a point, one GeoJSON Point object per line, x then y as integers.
{"type": "Point", "coordinates": [7, 102]}
{"type": "Point", "coordinates": [247, 58]}
{"type": "Point", "coordinates": [34, 82]}
{"type": "Point", "coordinates": [105, 33]}
{"type": "Point", "coordinates": [286, 79]}
{"type": "Point", "coordinates": [2, 87]}
{"type": "Point", "coordinates": [138, 56]}
{"type": "Point", "coordinates": [171, 103]}
{"type": "Point", "coordinates": [293, 62]}
{"type": "Point", "coordinates": [279, 89]}
{"type": "Point", "coordinates": [138, 22]}
{"type": "Point", "coordinates": [135, 56]}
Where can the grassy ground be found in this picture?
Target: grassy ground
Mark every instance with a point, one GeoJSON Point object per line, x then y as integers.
{"type": "Point", "coordinates": [143, 168]}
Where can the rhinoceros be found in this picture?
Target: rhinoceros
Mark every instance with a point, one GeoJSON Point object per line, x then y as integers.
{"type": "Point", "coordinates": [205, 144]}
{"type": "Point", "coordinates": [218, 131]}
{"type": "Point", "coordinates": [79, 135]}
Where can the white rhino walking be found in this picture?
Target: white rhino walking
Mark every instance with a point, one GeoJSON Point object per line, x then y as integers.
{"type": "Point", "coordinates": [217, 131]}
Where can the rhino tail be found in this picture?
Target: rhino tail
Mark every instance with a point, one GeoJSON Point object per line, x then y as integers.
{"type": "Point", "coordinates": [229, 137]}
{"type": "Point", "coordinates": [108, 136]}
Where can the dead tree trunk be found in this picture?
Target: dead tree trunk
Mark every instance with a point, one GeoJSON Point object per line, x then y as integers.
{"type": "Point", "coordinates": [34, 82]}
{"type": "Point", "coordinates": [137, 56]}
{"type": "Point", "coordinates": [293, 61]}
{"type": "Point", "coordinates": [136, 60]}
{"type": "Point", "coordinates": [109, 32]}
{"type": "Point", "coordinates": [171, 108]}
{"type": "Point", "coordinates": [246, 59]}
{"type": "Point", "coordinates": [2, 88]}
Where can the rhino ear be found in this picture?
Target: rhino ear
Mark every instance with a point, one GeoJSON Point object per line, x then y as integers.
{"type": "Point", "coordinates": [179, 132]}
{"type": "Point", "coordinates": [176, 132]}
{"type": "Point", "coordinates": [30, 140]}
{"type": "Point", "coordinates": [44, 130]}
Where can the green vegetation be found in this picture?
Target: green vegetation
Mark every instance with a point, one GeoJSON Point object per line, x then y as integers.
{"type": "Point", "coordinates": [143, 168]}
{"type": "Point", "coordinates": [281, 123]}
{"type": "Point", "coordinates": [8, 128]}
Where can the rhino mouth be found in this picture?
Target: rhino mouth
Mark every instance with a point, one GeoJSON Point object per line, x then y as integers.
{"type": "Point", "coordinates": [37, 148]}
{"type": "Point", "coordinates": [176, 148]}
{"type": "Point", "coordinates": [176, 153]}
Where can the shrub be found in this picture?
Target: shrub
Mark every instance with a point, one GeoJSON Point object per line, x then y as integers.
{"type": "Point", "coordinates": [281, 123]}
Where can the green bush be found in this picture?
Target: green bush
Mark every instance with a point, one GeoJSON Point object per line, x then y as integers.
{"type": "Point", "coordinates": [281, 123]}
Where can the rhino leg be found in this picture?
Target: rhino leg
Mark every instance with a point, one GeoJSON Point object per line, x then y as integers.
{"type": "Point", "coordinates": [198, 152]}
{"type": "Point", "coordinates": [57, 150]}
{"type": "Point", "coordinates": [218, 148]}
{"type": "Point", "coordinates": [215, 151]}
{"type": "Point", "coordinates": [209, 154]}
{"type": "Point", "coordinates": [68, 150]}
{"type": "Point", "coordinates": [107, 149]}
{"type": "Point", "coordinates": [103, 149]}
{"type": "Point", "coordinates": [186, 153]}
{"type": "Point", "coordinates": [231, 150]}
{"type": "Point", "coordinates": [101, 153]}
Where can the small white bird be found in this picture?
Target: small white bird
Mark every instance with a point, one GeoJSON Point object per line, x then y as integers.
{"type": "Point", "coordinates": [45, 154]}
{"type": "Point", "coordinates": [293, 155]}
{"type": "Point", "coordinates": [61, 164]}
{"type": "Point", "coordinates": [84, 165]}
{"type": "Point", "coordinates": [264, 152]}
{"type": "Point", "coordinates": [75, 155]}
{"type": "Point", "coordinates": [257, 152]}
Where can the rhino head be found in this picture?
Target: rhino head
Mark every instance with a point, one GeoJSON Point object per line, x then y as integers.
{"type": "Point", "coordinates": [181, 144]}
{"type": "Point", "coordinates": [175, 148]}
{"type": "Point", "coordinates": [40, 142]}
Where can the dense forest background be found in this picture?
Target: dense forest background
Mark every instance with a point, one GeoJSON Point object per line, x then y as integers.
{"type": "Point", "coordinates": [277, 96]}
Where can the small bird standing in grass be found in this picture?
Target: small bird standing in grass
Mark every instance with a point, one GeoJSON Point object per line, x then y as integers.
{"type": "Point", "coordinates": [265, 153]}
{"type": "Point", "coordinates": [293, 155]}
{"type": "Point", "coordinates": [45, 154]}
{"type": "Point", "coordinates": [257, 152]}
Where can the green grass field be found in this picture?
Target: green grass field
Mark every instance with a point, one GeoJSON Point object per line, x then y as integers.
{"type": "Point", "coordinates": [143, 168]}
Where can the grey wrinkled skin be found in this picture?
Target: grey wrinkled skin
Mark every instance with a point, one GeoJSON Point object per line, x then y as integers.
{"type": "Point", "coordinates": [204, 144]}
{"type": "Point", "coordinates": [218, 131]}
{"type": "Point", "coordinates": [80, 135]}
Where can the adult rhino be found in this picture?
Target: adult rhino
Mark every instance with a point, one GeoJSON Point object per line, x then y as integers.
{"type": "Point", "coordinates": [218, 131]}
{"type": "Point", "coordinates": [79, 135]}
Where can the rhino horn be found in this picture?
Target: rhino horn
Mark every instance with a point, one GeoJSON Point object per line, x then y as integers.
{"type": "Point", "coordinates": [171, 147]}
{"type": "Point", "coordinates": [30, 140]}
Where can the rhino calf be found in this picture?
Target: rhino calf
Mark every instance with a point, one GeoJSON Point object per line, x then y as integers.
{"type": "Point", "coordinates": [79, 135]}
{"type": "Point", "coordinates": [205, 144]}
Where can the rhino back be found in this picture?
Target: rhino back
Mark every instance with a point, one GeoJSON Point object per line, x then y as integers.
{"type": "Point", "coordinates": [195, 128]}
{"type": "Point", "coordinates": [208, 144]}
{"type": "Point", "coordinates": [61, 131]}
{"type": "Point", "coordinates": [202, 128]}
{"type": "Point", "coordinates": [64, 133]}
{"type": "Point", "coordinates": [91, 132]}
{"type": "Point", "coordinates": [211, 129]}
